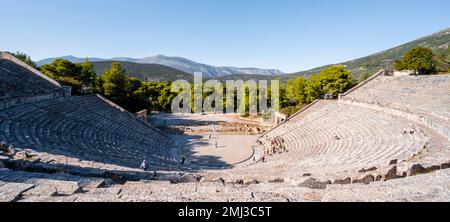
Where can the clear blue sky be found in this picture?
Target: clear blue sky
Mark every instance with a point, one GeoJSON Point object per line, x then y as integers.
{"type": "Point", "coordinates": [291, 35]}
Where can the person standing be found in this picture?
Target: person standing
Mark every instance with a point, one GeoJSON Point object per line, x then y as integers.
{"type": "Point", "coordinates": [144, 165]}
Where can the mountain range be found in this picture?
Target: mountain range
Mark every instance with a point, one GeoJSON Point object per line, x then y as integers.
{"type": "Point", "coordinates": [160, 67]}
{"type": "Point", "coordinates": [179, 63]}
{"type": "Point", "coordinates": [146, 72]}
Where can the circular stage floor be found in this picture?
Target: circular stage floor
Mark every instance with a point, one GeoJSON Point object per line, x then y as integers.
{"type": "Point", "coordinates": [231, 149]}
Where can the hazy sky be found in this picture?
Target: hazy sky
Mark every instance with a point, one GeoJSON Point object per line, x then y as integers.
{"type": "Point", "coordinates": [290, 35]}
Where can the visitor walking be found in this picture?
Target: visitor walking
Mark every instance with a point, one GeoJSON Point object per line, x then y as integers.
{"type": "Point", "coordinates": [144, 165]}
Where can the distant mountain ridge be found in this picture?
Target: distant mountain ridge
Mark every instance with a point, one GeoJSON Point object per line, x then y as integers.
{"type": "Point", "coordinates": [145, 72]}
{"type": "Point", "coordinates": [439, 42]}
{"type": "Point", "coordinates": [70, 58]}
{"type": "Point", "coordinates": [179, 63]}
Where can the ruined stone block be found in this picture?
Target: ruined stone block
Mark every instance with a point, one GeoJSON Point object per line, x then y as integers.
{"type": "Point", "coordinates": [365, 180]}
{"type": "Point", "coordinates": [314, 184]}
{"type": "Point", "coordinates": [417, 169]}
{"type": "Point", "coordinates": [393, 162]}
{"type": "Point", "coordinates": [391, 174]}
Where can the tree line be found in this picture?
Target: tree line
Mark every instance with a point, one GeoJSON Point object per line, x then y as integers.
{"type": "Point", "coordinates": [424, 61]}
{"type": "Point", "coordinates": [135, 95]}
{"type": "Point", "coordinates": [114, 84]}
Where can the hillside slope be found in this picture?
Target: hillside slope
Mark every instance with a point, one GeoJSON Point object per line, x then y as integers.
{"type": "Point", "coordinates": [438, 42]}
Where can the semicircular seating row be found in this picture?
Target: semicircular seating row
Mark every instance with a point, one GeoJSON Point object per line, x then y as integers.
{"type": "Point", "coordinates": [86, 128]}
{"type": "Point", "coordinates": [18, 82]}
{"type": "Point", "coordinates": [339, 137]}
{"type": "Point", "coordinates": [425, 95]}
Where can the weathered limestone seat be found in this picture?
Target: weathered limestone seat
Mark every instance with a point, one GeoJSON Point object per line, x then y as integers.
{"type": "Point", "coordinates": [337, 138]}
{"type": "Point", "coordinates": [426, 96]}
{"type": "Point", "coordinates": [389, 121]}
{"type": "Point", "coordinates": [87, 128]}
{"type": "Point", "coordinates": [16, 82]}
{"type": "Point", "coordinates": [389, 128]}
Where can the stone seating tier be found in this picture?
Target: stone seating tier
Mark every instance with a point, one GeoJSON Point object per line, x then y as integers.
{"type": "Point", "coordinates": [87, 128]}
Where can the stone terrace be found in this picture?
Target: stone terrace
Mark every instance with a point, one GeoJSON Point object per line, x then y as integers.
{"type": "Point", "coordinates": [427, 95]}
{"type": "Point", "coordinates": [32, 187]}
{"type": "Point", "coordinates": [18, 84]}
{"type": "Point", "coordinates": [86, 128]}
{"type": "Point", "coordinates": [337, 142]}
{"type": "Point", "coordinates": [88, 149]}
{"type": "Point", "coordinates": [418, 98]}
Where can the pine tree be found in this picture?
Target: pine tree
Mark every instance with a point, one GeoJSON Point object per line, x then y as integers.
{"type": "Point", "coordinates": [115, 82]}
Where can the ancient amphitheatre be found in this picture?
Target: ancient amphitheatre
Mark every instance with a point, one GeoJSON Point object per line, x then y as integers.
{"type": "Point", "coordinates": [387, 139]}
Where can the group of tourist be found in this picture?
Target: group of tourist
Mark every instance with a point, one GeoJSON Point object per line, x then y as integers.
{"type": "Point", "coordinates": [8, 149]}
{"type": "Point", "coordinates": [411, 131]}
{"type": "Point", "coordinates": [274, 146]}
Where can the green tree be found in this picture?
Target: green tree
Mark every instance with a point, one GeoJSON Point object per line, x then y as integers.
{"type": "Point", "coordinates": [70, 81]}
{"type": "Point", "coordinates": [442, 62]}
{"type": "Point", "coordinates": [61, 68]}
{"type": "Point", "coordinates": [87, 73]}
{"type": "Point", "coordinates": [420, 59]}
{"type": "Point", "coordinates": [164, 100]}
{"type": "Point", "coordinates": [133, 84]}
{"type": "Point", "coordinates": [314, 89]}
{"type": "Point", "coordinates": [115, 82]}
{"type": "Point", "coordinates": [99, 86]}
{"type": "Point", "coordinates": [25, 58]}
{"type": "Point", "coordinates": [400, 65]}
{"type": "Point", "coordinates": [333, 80]}
{"type": "Point", "coordinates": [154, 95]}
{"type": "Point", "coordinates": [299, 88]}
{"type": "Point", "coordinates": [65, 72]}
